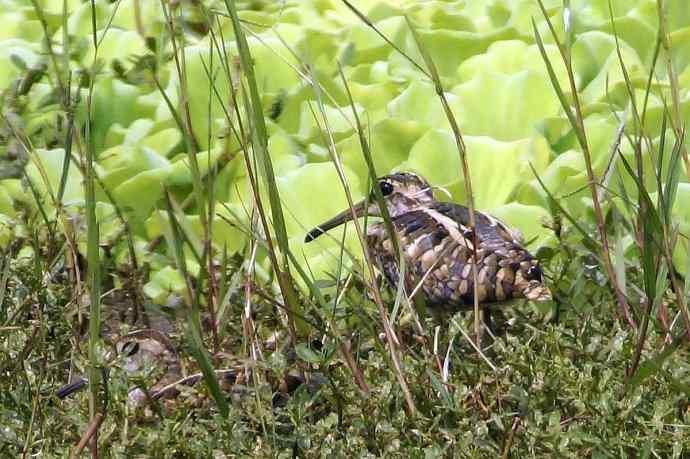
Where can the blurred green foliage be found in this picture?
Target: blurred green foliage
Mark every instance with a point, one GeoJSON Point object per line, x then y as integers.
{"type": "Point", "coordinates": [563, 382]}
{"type": "Point", "coordinates": [497, 86]}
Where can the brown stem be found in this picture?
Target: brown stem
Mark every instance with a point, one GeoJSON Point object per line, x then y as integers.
{"type": "Point", "coordinates": [90, 433]}
{"type": "Point", "coordinates": [511, 437]}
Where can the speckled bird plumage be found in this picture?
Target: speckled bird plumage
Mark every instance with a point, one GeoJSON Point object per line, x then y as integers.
{"type": "Point", "coordinates": [437, 244]}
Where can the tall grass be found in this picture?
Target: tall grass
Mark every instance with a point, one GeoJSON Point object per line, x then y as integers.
{"type": "Point", "coordinates": [656, 236]}
{"type": "Point", "coordinates": [259, 141]}
{"type": "Point", "coordinates": [576, 120]}
{"type": "Point", "coordinates": [259, 145]}
{"type": "Point", "coordinates": [85, 162]}
{"type": "Point", "coordinates": [429, 71]}
{"type": "Point", "coordinates": [390, 334]}
{"type": "Point", "coordinates": [654, 232]}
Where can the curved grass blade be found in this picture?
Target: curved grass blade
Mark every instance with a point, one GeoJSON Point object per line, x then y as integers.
{"type": "Point", "coordinates": [193, 332]}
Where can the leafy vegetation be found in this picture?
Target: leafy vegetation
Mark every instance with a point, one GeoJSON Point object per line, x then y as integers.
{"type": "Point", "coordinates": [161, 163]}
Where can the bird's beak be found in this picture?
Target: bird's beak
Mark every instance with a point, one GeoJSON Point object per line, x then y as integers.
{"type": "Point", "coordinates": [360, 210]}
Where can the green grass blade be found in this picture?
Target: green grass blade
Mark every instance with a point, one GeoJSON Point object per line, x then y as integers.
{"type": "Point", "coordinates": [655, 364]}
{"type": "Point", "coordinates": [368, 159]}
{"type": "Point", "coordinates": [5, 261]}
{"type": "Point", "coordinates": [672, 179]}
{"type": "Point", "coordinates": [67, 158]}
{"type": "Point", "coordinates": [259, 133]}
{"type": "Point", "coordinates": [557, 88]}
{"type": "Point", "coordinates": [193, 334]}
{"type": "Point", "coordinates": [554, 202]}
{"type": "Point", "coordinates": [259, 137]}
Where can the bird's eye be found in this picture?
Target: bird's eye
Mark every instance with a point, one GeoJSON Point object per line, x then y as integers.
{"type": "Point", "coordinates": [534, 273]}
{"type": "Point", "coordinates": [386, 188]}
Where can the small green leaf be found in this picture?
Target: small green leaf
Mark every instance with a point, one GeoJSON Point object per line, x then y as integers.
{"type": "Point", "coordinates": [655, 364]}
{"type": "Point", "coordinates": [305, 353]}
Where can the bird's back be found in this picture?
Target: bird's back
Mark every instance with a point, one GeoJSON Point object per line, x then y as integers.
{"type": "Point", "coordinates": [437, 243]}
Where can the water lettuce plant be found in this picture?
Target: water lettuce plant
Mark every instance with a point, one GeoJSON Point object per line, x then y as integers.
{"type": "Point", "coordinates": [186, 147]}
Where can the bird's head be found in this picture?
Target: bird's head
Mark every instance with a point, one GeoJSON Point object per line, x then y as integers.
{"type": "Point", "coordinates": [402, 192]}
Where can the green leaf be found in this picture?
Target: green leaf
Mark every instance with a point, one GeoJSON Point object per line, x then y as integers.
{"type": "Point", "coordinates": [106, 115]}
{"type": "Point", "coordinates": [390, 141]}
{"type": "Point", "coordinates": [305, 353]}
{"type": "Point", "coordinates": [45, 172]}
{"type": "Point", "coordinates": [6, 203]}
{"type": "Point", "coordinates": [529, 220]}
{"type": "Point", "coordinates": [7, 226]}
{"type": "Point", "coordinates": [14, 47]}
{"type": "Point", "coordinates": [518, 104]}
{"type": "Point", "coordinates": [311, 195]}
{"type": "Point", "coordinates": [654, 365]}
{"type": "Point", "coordinates": [419, 103]}
{"type": "Point", "coordinates": [681, 213]}
{"type": "Point", "coordinates": [119, 44]}
{"type": "Point", "coordinates": [123, 162]}
{"type": "Point", "coordinates": [448, 49]}
{"type": "Point", "coordinates": [162, 283]}
{"type": "Point", "coordinates": [511, 57]}
{"type": "Point", "coordinates": [140, 193]}
{"type": "Point", "coordinates": [340, 123]}
{"type": "Point", "coordinates": [485, 156]}
{"type": "Point", "coordinates": [599, 74]}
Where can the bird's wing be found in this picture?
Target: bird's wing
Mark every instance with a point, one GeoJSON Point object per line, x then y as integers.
{"type": "Point", "coordinates": [438, 245]}
{"type": "Point", "coordinates": [425, 228]}
{"type": "Point", "coordinates": [488, 227]}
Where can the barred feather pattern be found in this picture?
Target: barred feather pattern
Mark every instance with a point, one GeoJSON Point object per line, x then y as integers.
{"type": "Point", "coordinates": [437, 245]}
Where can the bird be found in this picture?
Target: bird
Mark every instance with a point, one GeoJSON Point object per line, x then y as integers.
{"type": "Point", "coordinates": [436, 240]}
